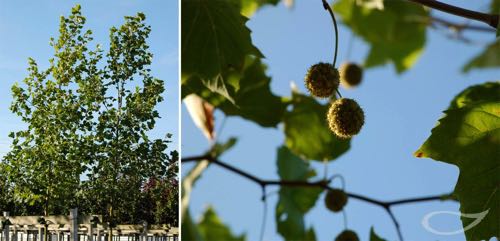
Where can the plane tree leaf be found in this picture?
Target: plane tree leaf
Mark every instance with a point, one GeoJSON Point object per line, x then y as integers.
{"type": "Point", "coordinates": [374, 236]}
{"type": "Point", "coordinates": [489, 58]}
{"type": "Point", "coordinates": [489, 91]}
{"type": "Point", "coordinates": [211, 227]}
{"type": "Point", "coordinates": [254, 99]}
{"type": "Point", "coordinates": [294, 202]}
{"type": "Point", "coordinates": [214, 40]}
{"type": "Point", "coordinates": [220, 148]}
{"type": "Point", "coordinates": [249, 7]}
{"type": "Point", "coordinates": [189, 228]}
{"type": "Point", "coordinates": [469, 137]}
{"type": "Point", "coordinates": [307, 133]}
{"type": "Point", "coordinates": [394, 30]}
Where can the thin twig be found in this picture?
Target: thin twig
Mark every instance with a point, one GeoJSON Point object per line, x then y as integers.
{"type": "Point", "coordinates": [264, 218]}
{"type": "Point", "coordinates": [420, 199]}
{"type": "Point", "coordinates": [460, 27]}
{"type": "Point", "coordinates": [324, 184]}
{"type": "Point", "coordinates": [196, 158]}
{"type": "Point", "coordinates": [490, 19]}
{"type": "Point", "coordinates": [433, 20]}
{"type": "Point", "coordinates": [396, 224]}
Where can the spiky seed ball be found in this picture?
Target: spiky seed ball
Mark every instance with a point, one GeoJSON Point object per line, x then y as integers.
{"type": "Point", "coordinates": [351, 75]}
{"type": "Point", "coordinates": [347, 235]}
{"type": "Point", "coordinates": [335, 200]}
{"type": "Point", "coordinates": [322, 80]}
{"type": "Point", "coordinates": [345, 117]}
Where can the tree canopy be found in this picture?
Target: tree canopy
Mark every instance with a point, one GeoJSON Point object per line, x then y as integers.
{"type": "Point", "coordinates": [88, 141]}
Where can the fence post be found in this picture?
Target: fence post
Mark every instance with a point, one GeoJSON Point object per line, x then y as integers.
{"type": "Point", "coordinates": [26, 231]}
{"type": "Point", "coordinates": [6, 226]}
{"type": "Point", "coordinates": [40, 233]}
{"type": "Point", "coordinates": [73, 215]}
{"type": "Point", "coordinates": [145, 231]}
{"type": "Point", "coordinates": [14, 235]}
{"type": "Point", "coordinates": [91, 232]}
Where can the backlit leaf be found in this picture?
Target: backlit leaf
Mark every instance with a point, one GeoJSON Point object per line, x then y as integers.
{"type": "Point", "coordinates": [489, 58]}
{"type": "Point", "coordinates": [394, 34]}
{"type": "Point", "coordinates": [294, 202]}
{"type": "Point", "coordinates": [214, 40]}
{"type": "Point", "coordinates": [469, 137]}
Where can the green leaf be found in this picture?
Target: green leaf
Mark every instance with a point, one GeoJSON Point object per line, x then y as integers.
{"type": "Point", "coordinates": [219, 148]}
{"type": "Point", "coordinates": [307, 132]}
{"type": "Point", "coordinates": [484, 92]}
{"type": "Point", "coordinates": [310, 234]}
{"type": "Point", "coordinates": [469, 137]}
{"type": "Point", "coordinates": [214, 40]}
{"type": "Point", "coordinates": [489, 58]}
{"type": "Point", "coordinates": [253, 101]}
{"type": "Point", "coordinates": [189, 229]}
{"type": "Point", "coordinates": [249, 7]}
{"type": "Point", "coordinates": [294, 202]}
{"type": "Point", "coordinates": [212, 228]}
{"type": "Point", "coordinates": [495, 7]}
{"type": "Point", "coordinates": [374, 236]}
{"type": "Point", "coordinates": [396, 33]}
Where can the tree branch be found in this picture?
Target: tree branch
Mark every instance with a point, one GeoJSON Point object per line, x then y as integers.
{"type": "Point", "coordinates": [396, 223]}
{"type": "Point", "coordinates": [490, 19]}
{"type": "Point", "coordinates": [321, 184]}
{"type": "Point", "coordinates": [460, 27]}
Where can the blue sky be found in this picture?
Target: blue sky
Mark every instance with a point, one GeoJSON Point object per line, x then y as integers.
{"type": "Point", "coordinates": [400, 112]}
{"type": "Point", "coordinates": [26, 27]}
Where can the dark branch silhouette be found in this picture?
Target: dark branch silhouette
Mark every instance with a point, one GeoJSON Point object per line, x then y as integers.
{"type": "Point", "coordinates": [490, 19]}
{"type": "Point", "coordinates": [386, 205]}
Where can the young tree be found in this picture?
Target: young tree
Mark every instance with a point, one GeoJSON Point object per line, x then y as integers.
{"type": "Point", "coordinates": [89, 119]}
{"type": "Point", "coordinates": [124, 155]}
{"type": "Point", "coordinates": [57, 104]}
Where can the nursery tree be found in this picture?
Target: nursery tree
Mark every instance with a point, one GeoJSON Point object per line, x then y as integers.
{"type": "Point", "coordinates": [57, 104]}
{"type": "Point", "coordinates": [89, 118]}
{"type": "Point", "coordinates": [222, 66]}
{"type": "Point", "coordinates": [124, 155]}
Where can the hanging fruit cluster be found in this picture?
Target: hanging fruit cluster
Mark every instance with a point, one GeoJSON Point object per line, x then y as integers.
{"type": "Point", "coordinates": [345, 117]}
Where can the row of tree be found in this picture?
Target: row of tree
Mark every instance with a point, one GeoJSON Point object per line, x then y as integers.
{"type": "Point", "coordinates": [88, 140]}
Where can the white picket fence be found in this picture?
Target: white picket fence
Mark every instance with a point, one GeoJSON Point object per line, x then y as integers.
{"type": "Point", "coordinates": [79, 228]}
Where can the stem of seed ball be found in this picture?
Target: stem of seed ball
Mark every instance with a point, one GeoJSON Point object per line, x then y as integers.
{"type": "Point", "coordinates": [338, 92]}
{"type": "Point", "coordinates": [329, 9]}
{"type": "Point", "coordinates": [345, 218]}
